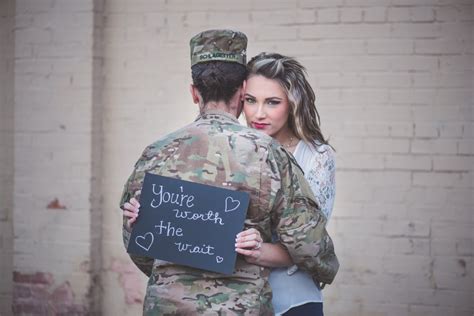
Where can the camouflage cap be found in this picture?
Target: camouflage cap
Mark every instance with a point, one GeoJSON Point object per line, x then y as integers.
{"type": "Point", "coordinates": [223, 45]}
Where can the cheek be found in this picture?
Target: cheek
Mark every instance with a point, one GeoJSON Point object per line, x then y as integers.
{"type": "Point", "coordinates": [281, 115]}
{"type": "Point", "coordinates": [248, 112]}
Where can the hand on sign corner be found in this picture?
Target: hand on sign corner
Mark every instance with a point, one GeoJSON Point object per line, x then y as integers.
{"type": "Point", "coordinates": [265, 254]}
{"type": "Point", "coordinates": [249, 243]}
{"type": "Point", "coordinates": [131, 210]}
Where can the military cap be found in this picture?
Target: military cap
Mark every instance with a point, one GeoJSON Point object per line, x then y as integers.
{"type": "Point", "coordinates": [219, 45]}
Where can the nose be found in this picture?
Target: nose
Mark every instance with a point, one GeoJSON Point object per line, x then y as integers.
{"type": "Point", "coordinates": [260, 114]}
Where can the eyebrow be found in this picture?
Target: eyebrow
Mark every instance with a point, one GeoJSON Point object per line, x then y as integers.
{"type": "Point", "coordinates": [270, 98]}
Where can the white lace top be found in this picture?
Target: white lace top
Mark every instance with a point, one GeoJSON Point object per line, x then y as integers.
{"type": "Point", "coordinates": [319, 167]}
{"type": "Point", "coordinates": [292, 287]}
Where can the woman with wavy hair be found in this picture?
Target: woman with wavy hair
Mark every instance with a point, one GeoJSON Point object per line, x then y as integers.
{"type": "Point", "coordinates": [280, 102]}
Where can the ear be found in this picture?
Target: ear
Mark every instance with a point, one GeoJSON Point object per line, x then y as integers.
{"type": "Point", "coordinates": [241, 99]}
{"type": "Point", "coordinates": [194, 94]}
{"type": "Point", "coordinates": [244, 86]}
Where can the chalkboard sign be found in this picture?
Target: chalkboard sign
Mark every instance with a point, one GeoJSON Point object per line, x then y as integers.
{"type": "Point", "coordinates": [188, 223]}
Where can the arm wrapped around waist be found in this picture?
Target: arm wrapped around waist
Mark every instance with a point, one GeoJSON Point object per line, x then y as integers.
{"type": "Point", "coordinates": [308, 242]}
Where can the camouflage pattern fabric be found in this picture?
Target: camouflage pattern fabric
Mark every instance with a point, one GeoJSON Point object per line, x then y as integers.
{"type": "Point", "coordinates": [217, 150]}
{"type": "Point", "coordinates": [219, 45]}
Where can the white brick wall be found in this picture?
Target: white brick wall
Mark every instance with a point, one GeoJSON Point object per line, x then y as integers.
{"type": "Point", "coordinates": [52, 149]}
{"type": "Point", "coordinates": [6, 155]}
{"type": "Point", "coordinates": [394, 82]}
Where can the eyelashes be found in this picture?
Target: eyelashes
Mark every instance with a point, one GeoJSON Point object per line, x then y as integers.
{"type": "Point", "coordinates": [270, 102]}
{"type": "Point", "coordinates": [249, 100]}
{"type": "Point", "coordinates": [273, 102]}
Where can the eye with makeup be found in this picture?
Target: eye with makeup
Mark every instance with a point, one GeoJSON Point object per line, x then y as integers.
{"type": "Point", "coordinates": [249, 100]}
{"type": "Point", "coordinates": [273, 102]}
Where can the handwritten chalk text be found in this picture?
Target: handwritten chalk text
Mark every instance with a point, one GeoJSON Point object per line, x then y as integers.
{"type": "Point", "coordinates": [171, 197]}
{"type": "Point", "coordinates": [204, 249]}
{"type": "Point", "coordinates": [169, 230]}
{"type": "Point", "coordinates": [205, 217]}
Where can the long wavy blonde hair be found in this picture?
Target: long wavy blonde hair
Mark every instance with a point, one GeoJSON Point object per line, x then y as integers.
{"type": "Point", "coordinates": [304, 120]}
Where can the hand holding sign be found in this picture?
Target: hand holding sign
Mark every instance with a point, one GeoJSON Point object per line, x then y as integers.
{"type": "Point", "coordinates": [131, 209]}
{"type": "Point", "coordinates": [188, 223]}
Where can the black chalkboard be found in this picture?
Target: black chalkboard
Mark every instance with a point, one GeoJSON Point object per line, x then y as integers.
{"type": "Point", "coordinates": [188, 223]}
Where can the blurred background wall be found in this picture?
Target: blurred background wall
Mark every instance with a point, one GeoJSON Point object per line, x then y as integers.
{"type": "Point", "coordinates": [6, 153]}
{"type": "Point", "coordinates": [85, 85]}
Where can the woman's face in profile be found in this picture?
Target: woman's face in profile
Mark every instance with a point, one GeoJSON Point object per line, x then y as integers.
{"type": "Point", "coordinates": [266, 106]}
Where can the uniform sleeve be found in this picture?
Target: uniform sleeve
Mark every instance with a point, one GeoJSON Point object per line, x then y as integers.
{"type": "Point", "coordinates": [300, 224]}
{"type": "Point", "coordinates": [322, 179]}
{"type": "Point", "coordinates": [131, 189]}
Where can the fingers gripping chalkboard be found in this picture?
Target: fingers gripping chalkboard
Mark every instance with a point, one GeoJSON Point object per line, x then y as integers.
{"type": "Point", "coordinates": [188, 223]}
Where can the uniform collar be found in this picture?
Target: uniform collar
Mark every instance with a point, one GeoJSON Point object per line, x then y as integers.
{"type": "Point", "coordinates": [217, 113]}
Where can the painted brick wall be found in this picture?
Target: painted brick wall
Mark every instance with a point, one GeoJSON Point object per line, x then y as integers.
{"type": "Point", "coordinates": [394, 81]}
{"type": "Point", "coordinates": [6, 154]}
{"type": "Point", "coordinates": [53, 132]}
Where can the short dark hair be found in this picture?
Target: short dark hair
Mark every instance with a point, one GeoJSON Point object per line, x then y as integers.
{"type": "Point", "coordinates": [218, 80]}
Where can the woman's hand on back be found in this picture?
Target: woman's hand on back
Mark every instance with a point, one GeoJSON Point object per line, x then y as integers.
{"type": "Point", "coordinates": [130, 211]}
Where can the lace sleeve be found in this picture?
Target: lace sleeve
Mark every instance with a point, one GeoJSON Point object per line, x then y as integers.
{"type": "Point", "coordinates": [322, 178]}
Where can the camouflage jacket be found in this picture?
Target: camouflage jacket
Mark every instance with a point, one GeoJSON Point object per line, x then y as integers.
{"type": "Point", "coordinates": [217, 150]}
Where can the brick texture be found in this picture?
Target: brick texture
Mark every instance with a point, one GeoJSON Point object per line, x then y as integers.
{"type": "Point", "coordinates": [6, 154]}
{"type": "Point", "coordinates": [96, 81]}
{"type": "Point", "coordinates": [53, 151]}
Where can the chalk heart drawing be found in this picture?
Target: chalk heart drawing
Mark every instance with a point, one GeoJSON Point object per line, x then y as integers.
{"type": "Point", "coordinates": [145, 241]}
{"type": "Point", "coordinates": [219, 259]}
{"type": "Point", "coordinates": [231, 204]}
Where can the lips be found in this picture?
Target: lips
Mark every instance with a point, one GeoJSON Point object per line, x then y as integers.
{"type": "Point", "coordinates": [259, 125]}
